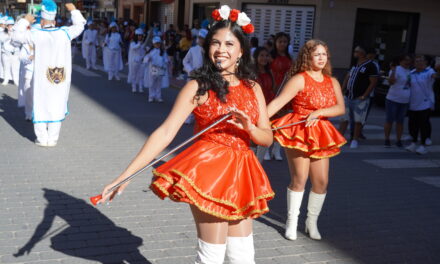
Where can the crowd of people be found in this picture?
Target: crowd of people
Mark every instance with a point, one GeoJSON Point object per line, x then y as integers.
{"type": "Point", "coordinates": [275, 100]}
{"type": "Point", "coordinates": [410, 93]}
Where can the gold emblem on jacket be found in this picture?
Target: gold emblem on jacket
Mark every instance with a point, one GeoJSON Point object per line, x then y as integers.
{"type": "Point", "coordinates": [56, 75]}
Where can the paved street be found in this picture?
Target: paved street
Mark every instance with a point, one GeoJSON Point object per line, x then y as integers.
{"type": "Point", "coordinates": [383, 205]}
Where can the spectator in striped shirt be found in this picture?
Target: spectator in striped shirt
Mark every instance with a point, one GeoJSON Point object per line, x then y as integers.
{"type": "Point", "coordinates": [358, 84]}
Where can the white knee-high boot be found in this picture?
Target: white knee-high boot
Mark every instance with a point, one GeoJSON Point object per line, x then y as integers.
{"type": "Point", "coordinates": [208, 253]}
{"type": "Point", "coordinates": [294, 200]}
{"type": "Point", "coordinates": [314, 207]}
{"type": "Point", "coordinates": [240, 250]}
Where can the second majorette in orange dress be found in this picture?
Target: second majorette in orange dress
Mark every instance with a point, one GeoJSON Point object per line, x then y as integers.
{"type": "Point", "coordinates": [320, 141]}
{"type": "Point", "coordinates": [219, 173]}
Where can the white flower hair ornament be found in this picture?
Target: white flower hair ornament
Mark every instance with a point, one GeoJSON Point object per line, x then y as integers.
{"type": "Point", "coordinates": [234, 15]}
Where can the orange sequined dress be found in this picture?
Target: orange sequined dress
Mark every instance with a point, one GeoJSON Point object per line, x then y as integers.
{"type": "Point", "coordinates": [219, 174]}
{"type": "Point", "coordinates": [320, 141]}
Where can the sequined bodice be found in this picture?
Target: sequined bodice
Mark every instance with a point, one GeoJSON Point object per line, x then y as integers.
{"type": "Point", "coordinates": [240, 97]}
{"type": "Point", "coordinates": [314, 96]}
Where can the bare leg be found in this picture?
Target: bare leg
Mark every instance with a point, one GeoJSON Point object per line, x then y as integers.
{"type": "Point", "coordinates": [319, 175]}
{"type": "Point", "coordinates": [357, 130]}
{"type": "Point", "coordinates": [299, 169]}
{"type": "Point", "coordinates": [211, 233]}
{"type": "Point", "coordinates": [399, 131]}
{"type": "Point", "coordinates": [210, 228]}
{"type": "Point", "coordinates": [387, 130]}
{"type": "Point", "coordinates": [343, 127]}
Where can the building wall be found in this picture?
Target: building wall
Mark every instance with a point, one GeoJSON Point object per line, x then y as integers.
{"type": "Point", "coordinates": [338, 24]}
{"type": "Point", "coordinates": [335, 22]}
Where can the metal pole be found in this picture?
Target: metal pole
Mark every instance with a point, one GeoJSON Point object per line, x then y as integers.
{"type": "Point", "coordinates": [95, 199]}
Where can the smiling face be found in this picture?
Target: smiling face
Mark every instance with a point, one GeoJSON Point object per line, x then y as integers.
{"type": "Point", "coordinates": [225, 49]}
{"type": "Point", "coordinates": [319, 58]}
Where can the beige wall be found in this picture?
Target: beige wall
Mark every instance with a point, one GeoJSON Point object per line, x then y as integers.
{"type": "Point", "coordinates": [335, 22]}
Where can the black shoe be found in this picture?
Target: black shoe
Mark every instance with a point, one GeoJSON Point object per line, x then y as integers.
{"type": "Point", "coordinates": [362, 136]}
{"type": "Point", "coordinates": [387, 143]}
{"type": "Point", "coordinates": [399, 144]}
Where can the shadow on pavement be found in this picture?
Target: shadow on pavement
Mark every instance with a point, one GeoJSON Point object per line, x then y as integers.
{"type": "Point", "coordinates": [87, 233]}
{"type": "Point", "coordinates": [14, 116]}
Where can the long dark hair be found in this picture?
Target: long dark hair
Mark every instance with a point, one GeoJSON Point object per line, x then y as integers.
{"type": "Point", "coordinates": [275, 51]}
{"type": "Point", "coordinates": [209, 76]}
{"type": "Point", "coordinates": [266, 67]}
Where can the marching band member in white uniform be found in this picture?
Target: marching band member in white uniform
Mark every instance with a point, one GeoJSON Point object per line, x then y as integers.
{"type": "Point", "coordinates": [135, 55]}
{"type": "Point", "coordinates": [112, 55]}
{"type": "Point", "coordinates": [89, 43]}
{"type": "Point", "coordinates": [156, 62]}
{"type": "Point", "coordinates": [11, 63]}
{"type": "Point", "coordinates": [52, 68]}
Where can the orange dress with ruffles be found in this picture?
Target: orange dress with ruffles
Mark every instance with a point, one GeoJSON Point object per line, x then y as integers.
{"type": "Point", "coordinates": [320, 141]}
{"type": "Point", "coordinates": [219, 173]}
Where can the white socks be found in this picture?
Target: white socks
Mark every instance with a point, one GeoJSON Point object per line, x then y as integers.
{"type": "Point", "coordinates": [208, 253]}
{"type": "Point", "coordinates": [240, 250]}
{"type": "Point", "coordinates": [294, 200]}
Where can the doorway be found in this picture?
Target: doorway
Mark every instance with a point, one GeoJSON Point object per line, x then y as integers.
{"type": "Point", "coordinates": [390, 33]}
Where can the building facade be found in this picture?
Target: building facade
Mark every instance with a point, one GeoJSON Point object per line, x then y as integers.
{"type": "Point", "coordinates": [392, 27]}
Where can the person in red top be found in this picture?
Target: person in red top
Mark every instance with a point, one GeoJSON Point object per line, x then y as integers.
{"type": "Point", "coordinates": [280, 65]}
{"type": "Point", "coordinates": [281, 60]}
{"type": "Point", "coordinates": [266, 80]}
{"type": "Point", "coordinates": [219, 175]}
{"type": "Point", "coordinates": [315, 96]}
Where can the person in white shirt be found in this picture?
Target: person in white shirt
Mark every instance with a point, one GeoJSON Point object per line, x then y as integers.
{"type": "Point", "coordinates": [89, 43]}
{"type": "Point", "coordinates": [421, 102]}
{"type": "Point", "coordinates": [11, 63]}
{"type": "Point", "coordinates": [194, 60]}
{"type": "Point", "coordinates": [113, 52]}
{"type": "Point", "coordinates": [397, 99]}
{"type": "Point", "coordinates": [136, 54]}
{"type": "Point", "coordinates": [3, 36]}
{"type": "Point", "coordinates": [52, 68]}
{"type": "Point", "coordinates": [157, 65]}
{"type": "Point", "coordinates": [26, 57]}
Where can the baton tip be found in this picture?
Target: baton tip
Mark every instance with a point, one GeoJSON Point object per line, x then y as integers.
{"type": "Point", "coordinates": [95, 199]}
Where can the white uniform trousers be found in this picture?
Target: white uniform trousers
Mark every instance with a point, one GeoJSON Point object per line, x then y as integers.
{"type": "Point", "coordinates": [47, 132]}
{"type": "Point", "coordinates": [28, 98]}
{"type": "Point", "coordinates": [155, 89]}
{"type": "Point", "coordinates": [7, 67]}
{"type": "Point", "coordinates": [91, 56]}
{"type": "Point", "coordinates": [113, 62]}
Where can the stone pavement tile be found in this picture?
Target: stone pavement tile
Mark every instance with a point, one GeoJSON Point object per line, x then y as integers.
{"type": "Point", "coordinates": [44, 262]}
{"type": "Point", "coordinates": [286, 260]}
{"type": "Point", "coordinates": [27, 257]}
{"type": "Point", "coordinates": [315, 257]}
{"type": "Point", "coordinates": [179, 260]}
{"type": "Point", "coordinates": [343, 261]}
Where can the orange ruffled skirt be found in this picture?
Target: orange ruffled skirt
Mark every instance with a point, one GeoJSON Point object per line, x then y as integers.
{"type": "Point", "coordinates": [318, 142]}
{"type": "Point", "coordinates": [219, 180]}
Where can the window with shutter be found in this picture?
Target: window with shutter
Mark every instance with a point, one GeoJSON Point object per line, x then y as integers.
{"type": "Point", "coordinates": [297, 21]}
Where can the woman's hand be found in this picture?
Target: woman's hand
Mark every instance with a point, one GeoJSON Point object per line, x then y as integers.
{"type": "Point", "coordinates": [241, 120]}
{"type": "Point", "coordinates": [313, 118]}
{"type": "Point", "coordinates": [110, 195]}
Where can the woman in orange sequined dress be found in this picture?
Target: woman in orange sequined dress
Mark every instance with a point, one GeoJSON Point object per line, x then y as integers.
{"type": "Point", "coordinates": [314, 96]}
{"type": "Point", "coordinates": [219, 176]}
